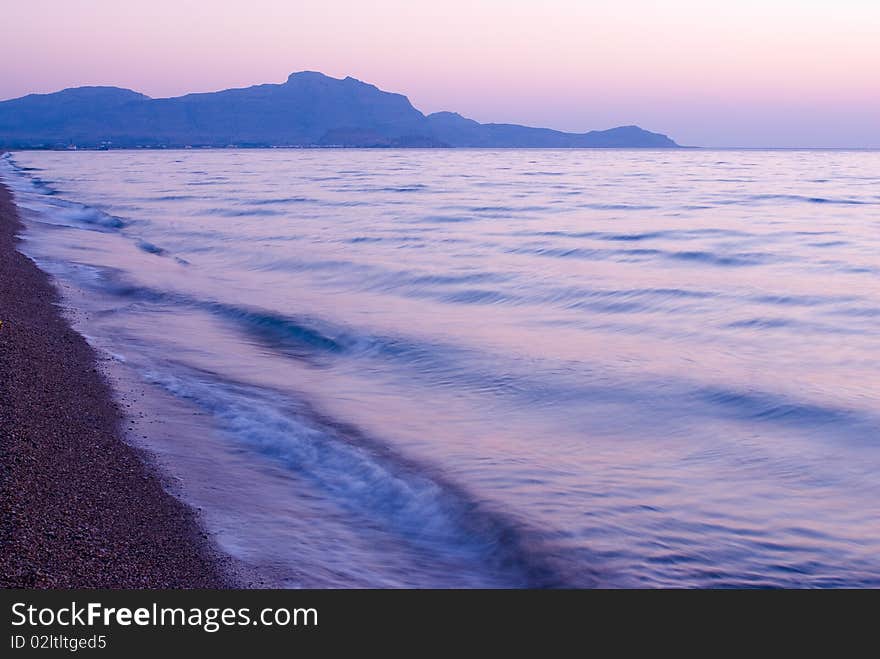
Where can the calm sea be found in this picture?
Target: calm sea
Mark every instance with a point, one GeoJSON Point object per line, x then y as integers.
{"type": "Point", "coordinates": [491, 368]}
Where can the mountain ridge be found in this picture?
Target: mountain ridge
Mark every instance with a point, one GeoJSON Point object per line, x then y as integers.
{"type": "Point", "coordinates": [309, 109]}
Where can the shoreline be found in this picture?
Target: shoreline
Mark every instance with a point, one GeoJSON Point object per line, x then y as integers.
{"type": "Point", "coordinates": [79, 507]}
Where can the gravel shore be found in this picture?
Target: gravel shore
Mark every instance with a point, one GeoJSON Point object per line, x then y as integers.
{"type": "Point", "coordinates": [79, 508]}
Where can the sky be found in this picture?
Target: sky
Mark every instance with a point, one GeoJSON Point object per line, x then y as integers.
{"type": "Point", "coordinates": [749, 73]}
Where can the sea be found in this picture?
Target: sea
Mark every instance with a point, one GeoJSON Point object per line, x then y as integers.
{"type": "Point", "coordinates": [489, 368]}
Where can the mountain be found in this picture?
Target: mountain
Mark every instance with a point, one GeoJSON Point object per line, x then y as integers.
{"type": "Point", "coordinates": [456, 130]}
{"type": "Point", "coordinates": [309, 109]}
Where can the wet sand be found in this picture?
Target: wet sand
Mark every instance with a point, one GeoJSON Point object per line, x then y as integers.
{"type": "Point", "coordinates": [79, 507]}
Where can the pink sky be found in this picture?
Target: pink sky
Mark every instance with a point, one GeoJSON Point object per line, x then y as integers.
{"type": "Point", "coordinates": [744, 73]}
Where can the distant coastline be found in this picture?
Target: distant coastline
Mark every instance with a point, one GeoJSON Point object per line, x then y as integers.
{"type": "Point", "coordinates": [340, 147]}
{"type": "Point", "coordinates": [309, 110]}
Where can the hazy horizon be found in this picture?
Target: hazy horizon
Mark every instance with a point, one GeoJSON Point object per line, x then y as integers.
{"type": "Point", "coordinates": [777, 74]}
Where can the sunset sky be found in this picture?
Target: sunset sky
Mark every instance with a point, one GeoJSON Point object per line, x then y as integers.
{"type": "Point", "coordinates": [744, 73]}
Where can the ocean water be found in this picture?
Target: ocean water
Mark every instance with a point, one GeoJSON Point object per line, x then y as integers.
{"type": "Point", "coordinates": [491, 368]}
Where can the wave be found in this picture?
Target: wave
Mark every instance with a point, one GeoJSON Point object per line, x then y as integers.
{"type": "Point", "coordinates": [24, 182]}
{"type": "Point", "coordinates": [476, 296]}
{"type": "Point", "coordinates": [71, 214]}
{"type": "Point", "coordinates": [243, 212]}
{"type": "Point", "coordinates": [173, 197]}
{"type": "Point", "coordinates": [808, 199]}
{"type": "Point", "coordinates": [618, 207]}
{"type": "Point", "coordinates": [214, 180]}
{"type": "Point", "coordinates": [369, 479]}
{"type": "Point", "coordinates": [57, 211]}
{"type": "Point", "coordinates": [721, 259]}
{"type": "Point", "coordinates": [279, 330]}
{"type": "Point", "coordinates": [447, 219]}
{"type": "Point", "coordinates": [670, 234]}
{"type": "Point", "coordinates": [830, 243]}
{"type": "Point", "coordinates": [300, 337]}
{"type": "Point", "coordinates": [434, 364]}
{"type": "Point", "coordinates": [633, 300]}
{"type": "Point", "coordinates": [793, 324]}
{"type": "Point", "coordinates": [150, 248]}
{"type": "Point", "coordinates": [78, 216]}
{"type": "Point", "coordinates": [364, 239]}
{"type": "Point", "coordinates": [415, 187]}
{"type": "Point", "coordinates": [805, 199]}
{"type": "Point", "coordinates": [859, 312]}
{"type": "Point", "coordinates": [800, 300]}
{"type": "Point", "coordinates": [768, 407]}
{"type": "Point", "coordinates": [281, 201]}
{"type": "Point", "coordinates": [764, 323]}
{"type": "Point", "coordinates": [82, 214]}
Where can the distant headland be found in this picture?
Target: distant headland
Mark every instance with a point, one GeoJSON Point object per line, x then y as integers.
{"type": "Point", "coordinates": [310, 109]}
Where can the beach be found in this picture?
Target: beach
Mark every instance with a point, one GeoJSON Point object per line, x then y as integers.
{"type": "Point", "coordinates": [79, 507]}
